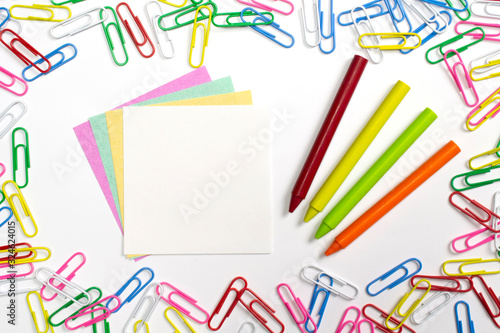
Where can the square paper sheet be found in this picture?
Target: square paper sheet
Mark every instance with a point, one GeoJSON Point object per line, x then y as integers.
{"type": "Point", "coordinates": [197, 180]}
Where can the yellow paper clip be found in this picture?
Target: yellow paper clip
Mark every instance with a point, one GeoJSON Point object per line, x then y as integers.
{"type": "Point", "coordinates": [489, 164]}
{"type": "Point", "coordinates": [24, 205]}
{"type": "Point", "coordinates": [466, 262]}
{"type": "Point", "coordinates": [493, 64]}
{"type": "Point", "coordinates": [44, 8]}
{"type": "Point", "coordinates": [388, 35]}
{"type": "Point", "coordinates": [45, 313]}
{"type": "Point", "coordinates": [412, 308]}
{"type": "Point", "coordinates": [206, 32]}
{"type": "Point", "coordinates": [494, 97]}
{"type": "Point", "coordinates": [145, 325]}
{"type": "Point", "coordinates": [173, 4]}
{"type": "Point", "coordinates": [25, 260]}
{"type": "Point", "coordinates": [176, 330]}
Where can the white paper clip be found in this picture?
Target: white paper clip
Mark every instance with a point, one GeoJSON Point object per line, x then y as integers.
{"type": "Point", "coordinates": [10, 23]}
{"type": "Point", "coordinates": [154, 299]}
{"type": "Point", "coordinates": [8, 113]}
{"type": "Point", "coordinates": [318, 280]}
{"type": "Point", "coordinates": [87, 25]}
{"type": "Point", "coordinates": [247, 323]}
{"type": "Point", "coordinates": [23, 286]}
{"type": "Point", "coordinates": [153, 19]}
{"type": "Point", "coordinates": [305, 27]}
{"type": "Point", "coordinates": [432, 19]}
{"type": "Point", "coordinates": [484, 60]}
{"type": "Point", "coordinates": [375, 54]}
{"type": "Point", "coordinates": [63, 293]}
{"type": "Point", "coordinates": [482, 8]}
{"type": "Point", "coordinates": [433, 305]}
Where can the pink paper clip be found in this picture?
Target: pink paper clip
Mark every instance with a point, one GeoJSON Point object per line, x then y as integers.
{"type": "Point", "coordinates": [343, 323]}
{"type": "Point", "coordinates": [89, 310]}
{"type": "Point", "coordinates": [17, 274]}
{"type": "Point", "coordinates": [10, 87]}
{"type": "Point", "coordinates": [369, 324]}
{"type": "Point", "coordinates": [455, 75]}
{"type": "Point", "coordinates": [69, 277]}
{"type": "Point", "coordinates": [187, 298]}
{"type": "Point", "coordinates": [230, 289]}
{"type": "Point", "coordinates": [469, 237]}
{"type": "Point", "coordinates": [482, 299]}
{"type": "Point", "coordinates": [3, 169]}
{"type": "Point", "coordinates": [492, 37]}
{"type": "Point", "coordinates": [256, 4]}
{"type": "Point", "coordinates": [474, 216]}
{"type": "Point", "coordinates": [303, 311]}
{"type": "Point", "coordinates": [483, 105]}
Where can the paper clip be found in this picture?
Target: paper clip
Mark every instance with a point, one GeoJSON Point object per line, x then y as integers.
{"type": "Point", "coordinates": [17, 274]}
{"type": "Point", "coordinates": [482, 299]}
{"type": "Point", "coordinates": [153, 20]}
{"type": "Point", "coordinates": [33, 259]}
{"type": "Point", "coordinates": [375, 6]}
{"type": "Point", "coordinates": [256, 4]}
{"type": "Point", "coordinates": [410, 310]}
{"type": "Point", "coordinates": [398, 6]}
{"type": "Point", "coordinates": [253, 307]}
{"type": "Point", "coordinates": [406, 275]}
{"type": "Point", "coordinates": [116, 25]}
{"type": "Point", "coordinates": [485, 69]}
{"type": "Point", "coordinates": [24, 285]}
{"type": "Point", "coordinates": [232, 15]}
{"type": "Point", "coordinates": [246, 323]}
{"type": "Point", "coordinates": [69, 277]}
{"type": "Point", "coordinates": [16, 253]}
{"type": "Point", "coordinates": [465, 262]}
{"type": "Point", "coordinates": [343, 322]}
{"type": "Point", "coordinates": [371, 52]}
{"type": "Point", "coordinates": [460, 49]}
{"type": "Point", "coordinates": [432, 34]}
{"type": "Point", "coordinates": [489, 164]}
{"type": "Point", "coordinates": [482, 220]}
{"type": "Point", "coordinates": [454, 73]}
{"type": "Point", "coordinates": [65, 282]}
{"type": "Point", "coordinates": [173, 4]}
{"type": "Point", "coordinates": [230, 289]}
{"type": "Point", "coordinates": [90, 310]}
{"type": "Point", "coordinates": [486, 59]}
{"type": "Point", "coordinates": [15, 80]}
{"type": "Point", "coordinates": [434, 19]}
{"type": "Point", "coordinates": [152, 299]}
{"type": "Point", "coordinates": [469, 237]}
{"type": "Point", "coordinates": [105, 325]}
{"type": "Point", "coordinates": [495, 221]}
{"type": "Point", "coordinates": [8, 217]}
{"type": "Point", "coordinates": [90, 22]}
{"type": "Point", "coordinates": [206, 32]}
{"type": "Point", "coordinates": [467, 10]}
{"type": "Point", "coordinates": [9, 24]}
{"type": "Point", "coordinates": [176, 329]}
{"type": "Point", "coordinates": [8, 113]}
{"type": "Point", "coordinates": [316, 292]}
{"type": "Point", "coordinates": [4, 19]}
{"type": "Point", "coordinates": [305, 27]}
{"type": "Point", "coordinates": [65, 2]}
{"type": "Point", "coordinates": [26, 152]}
{"type": "Point", "coordinates": [351, 291]}
{"type": "Point", "coordinates": [331, 34]}
{"type": "Point", "coordinates": [482, 106]}
{"type": "Point", "coordinates": [43, 8]}
{"type": "Point", "coordinates": [469, 184]}
{"type": "Point", "coordinates": [380, 325]}
{"type": "Point", "coordinates": [45, 314]}
{"type": "Point", "coordinates": [136, 291]}
{"type": "Point", "coordinates": [387, 35]}
{"type": "Point", "coordinates": [179, 13]}
{"type": "Point", "coordinates": [447, 5]}
{"type": "Point", "coordinates": [27, 213]}
{"type": "Point", "coordinates": [487, 36]}
{"type": "Point", "coordinates": [24, 58]}
{"type": "Point", "coordinates": [140, 27]}
{"type": "Point", "coordinates": [485, 12]}
{"type": "Point", "coordinates": [93, 300]}
{"type": "Point", "coordinates": [56, 65]}
{"type": "Point", "coordinates": [370, 325]}
{"type": "Point", "coordinates": [304, 315]}
{"type": "Point", "coordinates": [265, 33]}
{"type": "Point", "coordinates": [470, 323]}
{"type": "Point", "coordinates": [430, 307]}
{"type": "Point", "coordinates": [453, 285]}
{"type": "Point", "coordinates": [169, 300]}
{"type": "Point", "coordinates": [1, 164]}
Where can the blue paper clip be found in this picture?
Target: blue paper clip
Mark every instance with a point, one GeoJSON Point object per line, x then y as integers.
{"type": "Point", "coordinates": [258, 28]}
{"type": "Point", "coordinates": [445, 4]}
{"type": "Point", "coordinates": [54, 66]}
{"type": "Point", "coordinates": [460, 327]}
{"type": "Point", "coordinates": [8, 217]}
{"type": "Point", "coordinates": [318, 290]}
{"type": "Point", "coordinates": [136, 291]}
{"type": "Point", "coordinates": [7, 17]}
{"type": "Point", "coordinates": [377, 4]}
{"type": "Point", "coordinates": [430, 35]}
{"type": "Point", "coordinates": [406, 276]}
{"type": "Point", "coordinates": [402, 12]}
{"type": "Point", "coordinates": [322, 29]}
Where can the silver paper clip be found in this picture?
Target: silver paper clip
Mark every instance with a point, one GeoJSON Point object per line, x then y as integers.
{"type": "Point", "coordinates": [90, 22]}
{"type": "Point", "coordinates": [430, 20]}
{"type": "Point", "coordinates": [484, 8]}
{"type": "Point", "coordinates": [153, 19]}
{"type": "Point", "coordinates": [23, 286]}
{"type": "Point", "coordinates": [433, 305]}
{"type": "Point", "coordinates": [7, 113]}
{"type": "Point", "coordinates": [318, 280]}
{"type": "Point", "coordinates": [305, 27]}
{"type": "Point", "coordinates": [10, 23]}
{"type": "Point", "coordinates": [247, 323]}
{"type": "Point", "coordinates": [154, 299]}
{"type": "Point", "coordinates": [375, 54]}
{"type": "Point", "coordinates": [63, 293]}
{"type": "Point", "coordinates": [484, 60]}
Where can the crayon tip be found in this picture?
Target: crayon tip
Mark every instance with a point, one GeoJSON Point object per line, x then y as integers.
{"type": "Point", "coordinates": [294, 203]}
{"type": "Point", "coordinates": [311, 213]}
{"type": "Point", "coordinates": [322, 230]}
{"type": "Point", "coordinates": [335, 247]}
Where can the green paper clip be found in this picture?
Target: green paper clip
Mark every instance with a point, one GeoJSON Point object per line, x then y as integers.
{"type": "Point", "coordinates": [471, 185]}
{"type": "Point", "coordinates": [184, 11]}
{"type": "Point", "coordinates": [68, 304]}
{"type": "Point", "coordinates": [105, 323]}
{"type": "Point", "coordinates": [232, 15]}
{"type": "Point", "coordinates": [26, 149]}
{"type": "Point", "coordinates": [452, 40]}
{"type": "Point", "coordinates": [457, 13]}
{"type": "Point", "coordinates": [118, 29]}
{"type": "Point", "coordinates": [65, 2]}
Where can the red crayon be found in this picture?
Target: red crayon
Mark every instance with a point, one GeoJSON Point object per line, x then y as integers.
{"type": "Point", "coordinates": [327, 131]}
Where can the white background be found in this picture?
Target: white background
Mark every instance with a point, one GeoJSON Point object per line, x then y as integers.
{"type": "Point", "coordinates": [73, 215]}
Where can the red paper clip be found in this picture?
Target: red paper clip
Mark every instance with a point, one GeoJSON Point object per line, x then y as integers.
{"type": "Point", "coordinates": [381, 326]}
{"type": "Point", "coordinates": [131, 33]}
{"type": "Point", "coordinates": [228, 291]}
{"type": "Point", "coordinates": [447, 279]}
{"type": "Point", "coordinates": [16, 256]}
{"type": "Point", "coordinates": [482, 299]}
{"type": "Point", "coordinates": [18, 53]}
{"type": "Point", "coordinates": [257, 314]}
{"type": "Point", "coordinates": [474, 216]}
